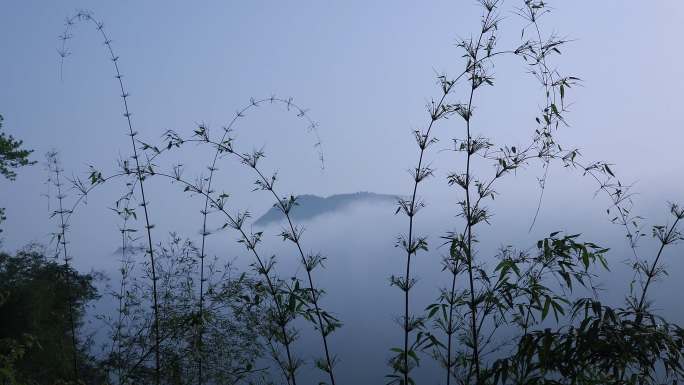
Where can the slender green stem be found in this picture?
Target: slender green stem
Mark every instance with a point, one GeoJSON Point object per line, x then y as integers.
{"type": "Point", "coordinates": [651, 272]}
{"type": "Point", "coordinates": [262, 267]}
{"type": "Point", "coordinates": [139, 173]}
{"type": "Point", "coordinates": [312, 288]}
{"type": "Point", "coordinates": [63, 243]}
{"type": "Point", "coordinates": [205, 212]}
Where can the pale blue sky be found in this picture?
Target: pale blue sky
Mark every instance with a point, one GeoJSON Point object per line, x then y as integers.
{"type": "Point", "coordinates": [364, 69]}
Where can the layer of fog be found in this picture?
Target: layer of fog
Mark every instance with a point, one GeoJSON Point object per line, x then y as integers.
{"type": "Point", "coordinates": [359, 244]}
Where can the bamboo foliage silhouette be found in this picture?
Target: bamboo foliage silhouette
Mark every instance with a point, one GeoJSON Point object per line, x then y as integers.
{"type": "Point", "coordinates": [87, 17]}
{"type": "Point", "coordinates": [122, 206]}
{"type": "Point", "coordinates": [56, 179]}
{"type": "Point", "coordinates": [526, 311]}
{"type": "Point", "coordinates": [325, 322]}
{"type": "Point", "coordinates": [535, 52]}
{"type": "Point", "coordinates": [312, 127]}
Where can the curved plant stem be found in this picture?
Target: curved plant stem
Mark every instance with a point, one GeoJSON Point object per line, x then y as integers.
{"type": "Point", "coordinates": [139, 173]}
{"type": "Point", "coordinates": [312, 288]}
{"type": "Point", "coordinates": [205, 211]}
{"type": "Point", "coordinates": [651, 272]}
{"type": "Point", "coordinates": [263, 269]}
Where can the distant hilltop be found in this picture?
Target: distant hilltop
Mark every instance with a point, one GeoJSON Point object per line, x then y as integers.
{"type": "Point", "coordinates": [311, 206]}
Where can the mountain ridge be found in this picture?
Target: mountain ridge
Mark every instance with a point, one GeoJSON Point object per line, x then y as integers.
{"type": "Point", "coordinates": [310, 206]}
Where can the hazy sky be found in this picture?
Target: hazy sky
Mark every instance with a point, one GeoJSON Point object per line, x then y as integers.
{"type": "Point", "coordinates": [364, 70]}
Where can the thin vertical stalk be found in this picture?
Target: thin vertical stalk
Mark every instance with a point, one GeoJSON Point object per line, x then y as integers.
{"type": "Point", "coordinates": [139, 172]}
{"type": "Point", "coordinates": [469, 243]}
{"type": "Point", "coordinates": [122, 292]}
{"type": "Point", "coordinates": [124, 277]}
{"type": "Point", "coordinates": [468, 209]}
{"type": "Point", "coordinates": [651, 272]}
{"type": "Point", "coordinates": [411, 214]}
{"type": "Point", "coordinates": [201, 299]}
{"type": "Point", "coordinates": [54, 165]}
{"type": "Point", "coordinates": [412, 204]}
{"type": "Point", "coordinates": [546, 78]}
{"type": "Point", "coordinates": [450, 326]}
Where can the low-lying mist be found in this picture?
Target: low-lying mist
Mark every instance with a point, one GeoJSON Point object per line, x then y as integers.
{"type": "Point", "coordinates": [358, 242]}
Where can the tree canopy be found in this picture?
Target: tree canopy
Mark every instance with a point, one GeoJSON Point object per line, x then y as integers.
{"type": "Point", "coordinates": [35, 331]}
